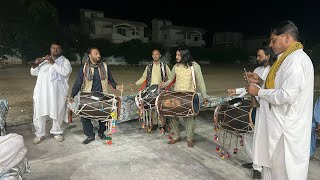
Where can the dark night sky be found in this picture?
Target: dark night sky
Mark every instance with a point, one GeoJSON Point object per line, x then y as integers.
{"type": "Point", "coordinates": [223, 15]}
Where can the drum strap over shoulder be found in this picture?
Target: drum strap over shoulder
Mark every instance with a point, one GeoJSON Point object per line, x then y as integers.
{"type": "Point", "coordinates": [193, 78]}
{"type": "Point", "coordinates": [84, 72]}
{"type": "Point", "coordinates": [163, 71]}
{"type": "Point", "coordinates": [149, 73]}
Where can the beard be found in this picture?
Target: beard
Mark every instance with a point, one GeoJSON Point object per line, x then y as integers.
{"type": "Point", "coordinates": [56, 55]}
{"type": "Point", "coordinates": [261, 63]}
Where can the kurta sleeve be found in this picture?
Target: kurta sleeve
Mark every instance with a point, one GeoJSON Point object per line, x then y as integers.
{"type": "Point", "coordinates": [78, 83]}
{"type": "Point", "coordinates": [143, 77]}
{"type": "Point", "coordinates": [64, 69]}
{"type": "Point", "coordinates": [290, 89]}
{"type": "Point", "coordinates": [171, 77]}
{"type": "Point", "coordinates": [200, 81]}
{"type": "Point", "coordinates": [316, 111]}
{"type": "Point", "coordinates": [111, 80]}
{"type": "Point", "coordinates": [34, 71]}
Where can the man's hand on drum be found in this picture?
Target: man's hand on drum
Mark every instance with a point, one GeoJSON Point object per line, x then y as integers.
{"type": "Point", "coordinates": [120, 87]}
{"type": "Point", "coordinates": [231, 92]}
{"type": "Point", "coordinates": [253, 89]}
{"type": "Point", "coordinates": [252, 77]}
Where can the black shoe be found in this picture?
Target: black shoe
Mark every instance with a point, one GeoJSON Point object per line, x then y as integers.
{"type": "Point", "coordinates": [88, 140]}
{"type": "Point", "coordinates": [247, 165]}
{"type": "Point", "coordinates": [256, 174]}
{"type": "Point", "coordinates": [154, 127]}
{"type": "Point", "coordinates": [102, 136]}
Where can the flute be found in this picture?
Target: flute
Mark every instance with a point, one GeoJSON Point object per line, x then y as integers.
{"type": "Point", "coordinates": [34, 65]}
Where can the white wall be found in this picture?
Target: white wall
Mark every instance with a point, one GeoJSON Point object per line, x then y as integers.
{"type": "Point", "coordinates": [101, 29]}
{"type": "Point", "coordinates": [12, 59]}
{"type": "Point", "coordinates": [87, 14]}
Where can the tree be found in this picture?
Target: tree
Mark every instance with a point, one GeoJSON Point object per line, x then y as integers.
{"type": "Point", "coordinates": [41, 12]}
{"type": "Point", "coordinates": [27, 27]}
{"type": "Point", "coordinates": [12, 31]}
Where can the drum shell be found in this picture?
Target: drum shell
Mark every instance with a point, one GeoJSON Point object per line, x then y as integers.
{"type": "Point", "coordinates": [178, 104]}
{"type": "Point", "coordinates": [97, 109]}
{"type": "Point", "coordinates": [235, 119]}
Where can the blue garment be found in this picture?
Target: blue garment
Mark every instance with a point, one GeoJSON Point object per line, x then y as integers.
{"type": "Point", "coordinates": [315, 121]}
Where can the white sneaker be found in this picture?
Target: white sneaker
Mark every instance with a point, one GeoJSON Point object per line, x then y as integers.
{"type": "Point", "coordinates": [58, 137]}
{"type": "Point", "coordinates": [37, 140]}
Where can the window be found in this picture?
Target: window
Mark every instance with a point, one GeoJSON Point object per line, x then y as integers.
{"type": "Point", "coordinates": [94, 15]}
{"type": "Point", "coordinates": [195, 38]}
{"type": "Point", "coordinates": [164, 23]}
{"type": "Point", "coordinates": [188, 36]}
{"type": "Point", "coordinates": [122, 31]}
{"type": "Point", "coordinates": [165, 36]}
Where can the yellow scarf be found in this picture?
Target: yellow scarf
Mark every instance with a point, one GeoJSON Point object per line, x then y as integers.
{"type": "Point", "coordinates": [273, 71]}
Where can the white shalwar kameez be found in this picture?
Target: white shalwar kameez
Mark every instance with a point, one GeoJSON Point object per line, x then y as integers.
{"type": "Point", "coordinates": [262, 72]}
{"type": "Point", "coordinates": [282, 130]}
{"type": "Point", "coordinates": [50, 95]}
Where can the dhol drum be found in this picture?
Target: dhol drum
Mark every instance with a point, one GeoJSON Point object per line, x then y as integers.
{"type": "Point", "coordinates": [178, 104]}
{"type": "Point", "coordinates": [147, 97]}
{"type": "Point", "coordinates": [235, 116]}
{"type": "Point", "coordinates": [96, 105]}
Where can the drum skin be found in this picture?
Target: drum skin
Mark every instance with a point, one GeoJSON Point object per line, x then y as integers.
{"type": "Point", "coordinates": [179, 104]}
{"type": "Point", "coordinates": [148, 96]}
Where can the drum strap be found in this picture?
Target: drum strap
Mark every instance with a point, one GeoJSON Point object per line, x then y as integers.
{"type": "Point", "coordinates": [169, 86]}
{"type": "Point", "coordinates": [149, 73]}
{"type": "Point", "coordinates": [143, 85]}
{"type": "Point", "coordinates": [163, 72]}
{"type": "Point", "coordinates": [193, 79]}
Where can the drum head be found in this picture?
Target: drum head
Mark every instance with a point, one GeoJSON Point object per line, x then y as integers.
{"type": "Point", "coordinates": [196, 104]}
{"type": "Point", "coordinates": [150, 91]}
{"type": "Point", "coordinates": [235, 102]}
{"type": "Point", "coordinates": [148, 96]}
{"type": "Point", "coordinates": [153, 88]}
{"type": "Point", "coordinates": [98, 96]}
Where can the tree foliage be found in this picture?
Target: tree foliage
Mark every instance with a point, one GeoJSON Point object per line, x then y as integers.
{"type": "Point", "coordinates": [27, 27]}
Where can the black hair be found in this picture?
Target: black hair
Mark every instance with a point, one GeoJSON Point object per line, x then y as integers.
{"type": "Point", "coordinates": [268, 51]}
{"type": "Point", "coordinates": [186, 58]}
{"type": "Point", "coordinates": [56, 43]}
{"type": "Point", "coordinates": [286, 27]}
{"type": "Point", "coordinates": [90, 49]}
